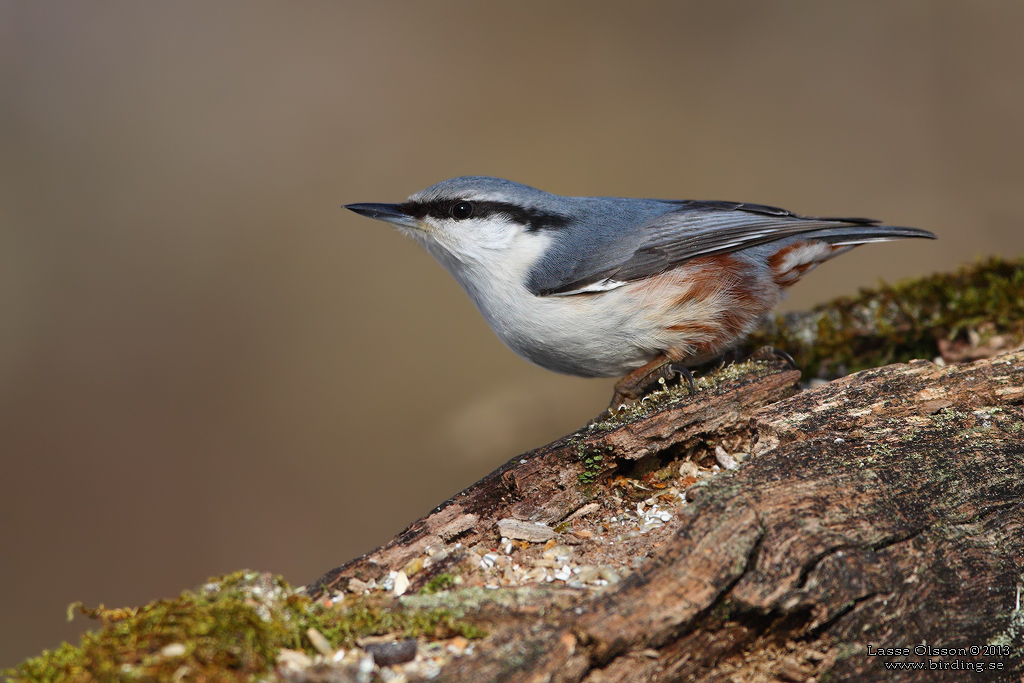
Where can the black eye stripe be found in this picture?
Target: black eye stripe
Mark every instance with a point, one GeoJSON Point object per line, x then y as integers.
{"type": "Point", "coordinates": [534, 219]}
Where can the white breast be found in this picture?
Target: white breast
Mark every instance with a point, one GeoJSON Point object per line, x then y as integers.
{"type": "Point", "coordinates": [590, 335]}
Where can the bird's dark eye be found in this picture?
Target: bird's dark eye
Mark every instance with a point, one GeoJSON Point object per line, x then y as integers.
{"type": "Point", "coordinates": [462, 211]}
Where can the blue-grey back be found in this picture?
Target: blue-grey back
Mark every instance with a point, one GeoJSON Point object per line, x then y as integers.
{"type": "Point", "coordinates": [597, 239]}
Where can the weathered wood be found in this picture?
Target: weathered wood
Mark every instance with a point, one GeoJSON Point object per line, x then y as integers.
{"type": "Point", "coordinates": [544, 485]}
{"type": "Point", "coordinates": [884, 509]}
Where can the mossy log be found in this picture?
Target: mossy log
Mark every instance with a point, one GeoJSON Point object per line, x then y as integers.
{"type": "Point", "coordinates": [868, 528]}
{"type": "Point", "coordinates": [884, 509]}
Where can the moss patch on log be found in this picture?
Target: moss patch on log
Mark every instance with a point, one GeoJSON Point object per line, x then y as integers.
{"type": "Point", "coordinates": [938, 315]}
{"type": "Point", "coordinates": [230, 629]}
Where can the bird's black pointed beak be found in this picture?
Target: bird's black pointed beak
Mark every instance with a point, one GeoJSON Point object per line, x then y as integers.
{"type": "Point", "coordinates": [391, 213]}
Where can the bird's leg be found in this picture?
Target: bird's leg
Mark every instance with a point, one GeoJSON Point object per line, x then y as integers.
{"type": "Point", "coordinates": [636, 383]}
{"type": "Point", "coordinates": [643, 379]}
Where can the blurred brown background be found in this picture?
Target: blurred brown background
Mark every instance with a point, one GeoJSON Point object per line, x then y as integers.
{"type": "Point", "coordinates": [206, 364]}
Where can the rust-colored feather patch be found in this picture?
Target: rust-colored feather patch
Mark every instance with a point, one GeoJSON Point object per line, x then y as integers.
{"type": "Point", "coordinates": [719, 301]}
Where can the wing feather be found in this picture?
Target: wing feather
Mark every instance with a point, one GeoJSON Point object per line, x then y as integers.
{"type": "Point", "coordinates": [686, 230]}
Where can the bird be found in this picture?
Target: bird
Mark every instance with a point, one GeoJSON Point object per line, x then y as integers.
{"type": "Point", "coordinates": [639, 289]}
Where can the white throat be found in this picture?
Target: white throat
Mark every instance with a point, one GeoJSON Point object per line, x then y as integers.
{"type": "Point", "coordinates": [491, 260]}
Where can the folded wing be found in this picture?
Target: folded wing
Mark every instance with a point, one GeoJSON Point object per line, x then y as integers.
{"type": "Point", "coordinates": [692, 229]}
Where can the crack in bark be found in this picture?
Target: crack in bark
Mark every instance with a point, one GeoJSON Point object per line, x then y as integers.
{"type": "Point", "coordinates": [815, 562]}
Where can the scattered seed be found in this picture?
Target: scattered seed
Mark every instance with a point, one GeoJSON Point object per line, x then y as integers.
{"type": "Point", "coordinates": [401, 583]}
{"type": "Point", "coordinates": [319, 642]}
{"type": "Point", "coordinates": [293, 660]}
{"type": "Point", "coordinates": [413, 566]}
{"type": "Point", "coordinates": [558, 552]}
{"type": "Point", "coordinates": [724, 459]}
{"type": "Point", "coordinates": [173, 650]}
{"type": "Point", "coordinates": [608, 574]}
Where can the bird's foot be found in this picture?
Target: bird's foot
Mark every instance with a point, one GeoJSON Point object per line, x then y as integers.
{"type": "Point", "coordinates": [684, 374]}
{"type": "Point", "coordinates": [771, 353]}
{"type": "Point", "coordinates": [647, 378]}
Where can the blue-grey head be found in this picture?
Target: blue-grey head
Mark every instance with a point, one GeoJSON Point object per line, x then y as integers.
{"type": "Point", "coordinates": [469, 221]}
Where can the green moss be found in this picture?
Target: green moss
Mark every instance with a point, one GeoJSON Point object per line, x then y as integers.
{"type": "Point", "coordinates": [897, 323]}
{"type": "Point", "coordinates": [342, 626]}
{"type": "Point", "coordinates": [229, 630]}
{"type": "Point", "coordinates": [441, 582]}
{"type": "Point", "coordinates": [593, 464]}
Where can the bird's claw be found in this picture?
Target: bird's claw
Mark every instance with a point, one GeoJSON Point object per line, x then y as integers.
{"type": "Point", "coordinates": [683, 372]}
{"type": "Point", "coordinates": [779, 353]}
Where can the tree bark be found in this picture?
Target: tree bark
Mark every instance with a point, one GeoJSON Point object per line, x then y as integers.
{"type": "Point", "coordinates": [884, 509]}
